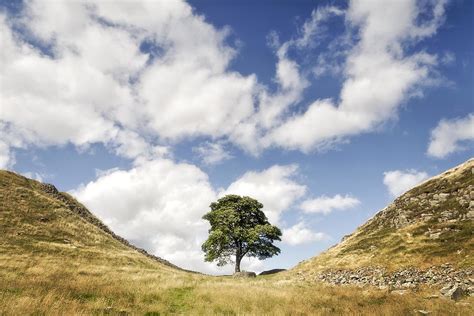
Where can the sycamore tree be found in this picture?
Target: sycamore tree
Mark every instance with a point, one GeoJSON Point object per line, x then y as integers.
{"type": "Point", "coordinates": [239, 228]}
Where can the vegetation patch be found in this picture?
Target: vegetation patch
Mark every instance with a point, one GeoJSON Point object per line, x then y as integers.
{"type": "Point", "coordinates": [179, 299]}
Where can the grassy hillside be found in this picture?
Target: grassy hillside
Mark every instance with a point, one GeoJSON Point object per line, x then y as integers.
{"type": "Point", "coordinates": [37, 222]}
{"type": "Point", "coordinates": [431, 224]}
{"type": "Point", "coordinates": [57, 259]}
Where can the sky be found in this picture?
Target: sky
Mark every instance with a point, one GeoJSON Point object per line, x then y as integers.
{"type": "Point", "coordinates": [148, 111]}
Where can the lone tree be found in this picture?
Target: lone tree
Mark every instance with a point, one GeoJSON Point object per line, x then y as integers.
{"type": "Point", "coordinates": [238, 228]}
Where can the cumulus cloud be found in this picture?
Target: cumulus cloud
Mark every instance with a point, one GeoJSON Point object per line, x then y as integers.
{"type": "Point", "coordinates": [379, 75]}
{"type": "Point", "coordinates": [325, 205]}
{"type": "Point", "coordinates": [275, 187]}
{"type": "Point", "coordinates": [159, 204]}
{"type": "Point", "coordinates": [450, 135]}
{"type": "Point", "coordinates": [299, 234]}
{"type": "Point", "coordinates": [134, 75]}
{"type": "Point", "coordinates": [399, 181]}
{"type": "Point", "coordinates": [212, 153]}
{"type": "Point", "coordinates": [117, 73]}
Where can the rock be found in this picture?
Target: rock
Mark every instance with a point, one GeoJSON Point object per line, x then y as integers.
{"type": "Point", "coordinates": [345, 237]}
{"type": "Point", "coordinates": [49, 188]}
{"type": "Point", "coordinates": [470, 214]}
{"type": "Point", "coordinates": [434, 203]}
{"type": "Point", "coordinates": [454, 292]}
{"type": "Point", "coordinates": [443, 196]}
{"type": "Point", "coordinates": [434, 235]}
{"type": "Point", "coordinates": [244, 274]}
{"type": "Point", "coordinates": [421, 311]}
{"type": "Point", "coordinates": [272, 271]}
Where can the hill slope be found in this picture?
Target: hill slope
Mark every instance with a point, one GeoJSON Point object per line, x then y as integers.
{"type": "Point", "coordinates": [37, 219]}
{"type": "Point", "coordinates": [56, 258]}
{"type": "Point", "coordinates": [431, 224]}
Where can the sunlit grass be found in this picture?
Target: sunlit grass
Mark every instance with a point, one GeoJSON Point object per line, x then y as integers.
{"type": "Point", "coordinates": [53, 262]}
{"type": "Point", "coordinates": [49, 285]}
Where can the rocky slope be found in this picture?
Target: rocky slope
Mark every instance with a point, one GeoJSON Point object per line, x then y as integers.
{"type": "Point", "coordinates": [424, 236]}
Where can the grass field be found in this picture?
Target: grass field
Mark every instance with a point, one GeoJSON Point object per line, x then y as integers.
{"type": "Point", "coordinates": [55, 262]}
{"type": "Point", "coordinates": [54, 286]}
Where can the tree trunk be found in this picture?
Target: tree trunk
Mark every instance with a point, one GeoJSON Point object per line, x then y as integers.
{"type": "Point", "coordinates": [238, 258]}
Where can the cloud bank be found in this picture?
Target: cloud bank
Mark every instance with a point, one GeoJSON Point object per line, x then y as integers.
{"type": "Point", "coordinates": [137, 76]}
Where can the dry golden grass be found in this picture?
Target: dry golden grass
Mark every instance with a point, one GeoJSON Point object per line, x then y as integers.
{"type": "Point", "coordinates": [53, 262]}
{"type": "Point", "coordinates": [47, 285]}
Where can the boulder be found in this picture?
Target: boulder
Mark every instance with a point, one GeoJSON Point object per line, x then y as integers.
{"type": "Point", "coordinates": [454, 292]}
{"type": "Point", "coordinates": [244, 274]}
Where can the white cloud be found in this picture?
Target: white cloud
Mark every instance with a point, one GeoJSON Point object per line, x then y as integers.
{"type": "Point", "coordinates": [289, 76]}
{"type": "Point", "coordinates": [212, 153]}
{"type": "Point", "coordinates": [326, 205]}
{"type": "Point", "coordinates": [156, 205]}
{"type": "Point", "coordinates": [97, 82]}
{"type": "Point", "coordinates": [159, 204]}
{"type": "Point", "coordinates": [98, 86]}
{"type": "Point", "coordinates": [449, 135]}
{"type": "Point", "coordinates": [379, 76]}
{"type": "Point", "coordinates": [299, 234]}
{"type": "Point", "coordinates": [399, 181]}
{"type": "Point", "coordinates": [275, 187]}
{"type": "Point", "coordinates": [312, 29]}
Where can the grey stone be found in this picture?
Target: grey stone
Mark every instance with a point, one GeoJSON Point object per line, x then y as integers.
{"type": "Point", "coordinates": [244, 274]}
{"type": "Point", "coordinates": [443, 196]}
{"type": "Point", "coordinates": [454, 292]}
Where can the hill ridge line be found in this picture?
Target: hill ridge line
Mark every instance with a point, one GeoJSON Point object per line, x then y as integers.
{"type": "Point", "coordinates": [75, 207]}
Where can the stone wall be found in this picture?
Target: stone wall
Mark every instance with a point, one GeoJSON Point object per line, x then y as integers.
{"type": "Point", "coordinates": [85, 214]}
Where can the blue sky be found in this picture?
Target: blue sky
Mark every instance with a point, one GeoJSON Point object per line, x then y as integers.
{"type": "Point", "coordinates": [147, 112]}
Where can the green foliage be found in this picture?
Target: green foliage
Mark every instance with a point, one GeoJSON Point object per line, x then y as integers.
{"type": "Point", "coordinates": [238, 228]}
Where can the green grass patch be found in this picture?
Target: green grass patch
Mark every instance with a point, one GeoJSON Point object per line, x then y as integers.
{"type": "Point", "coordinates": [179, 299]}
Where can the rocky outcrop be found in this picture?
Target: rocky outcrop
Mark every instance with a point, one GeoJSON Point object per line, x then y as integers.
{"type": "Point", "coordinates": [454, 283]}
{"type": "Point", "coordinates": [86, 215]}
{"type": "Point", "coordinates": [454, 203]}
{"type": "Point", "coordinates": [429, 225]}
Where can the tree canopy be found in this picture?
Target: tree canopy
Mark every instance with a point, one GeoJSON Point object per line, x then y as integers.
{"type": "Point", "coordinates": [239, 228]}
